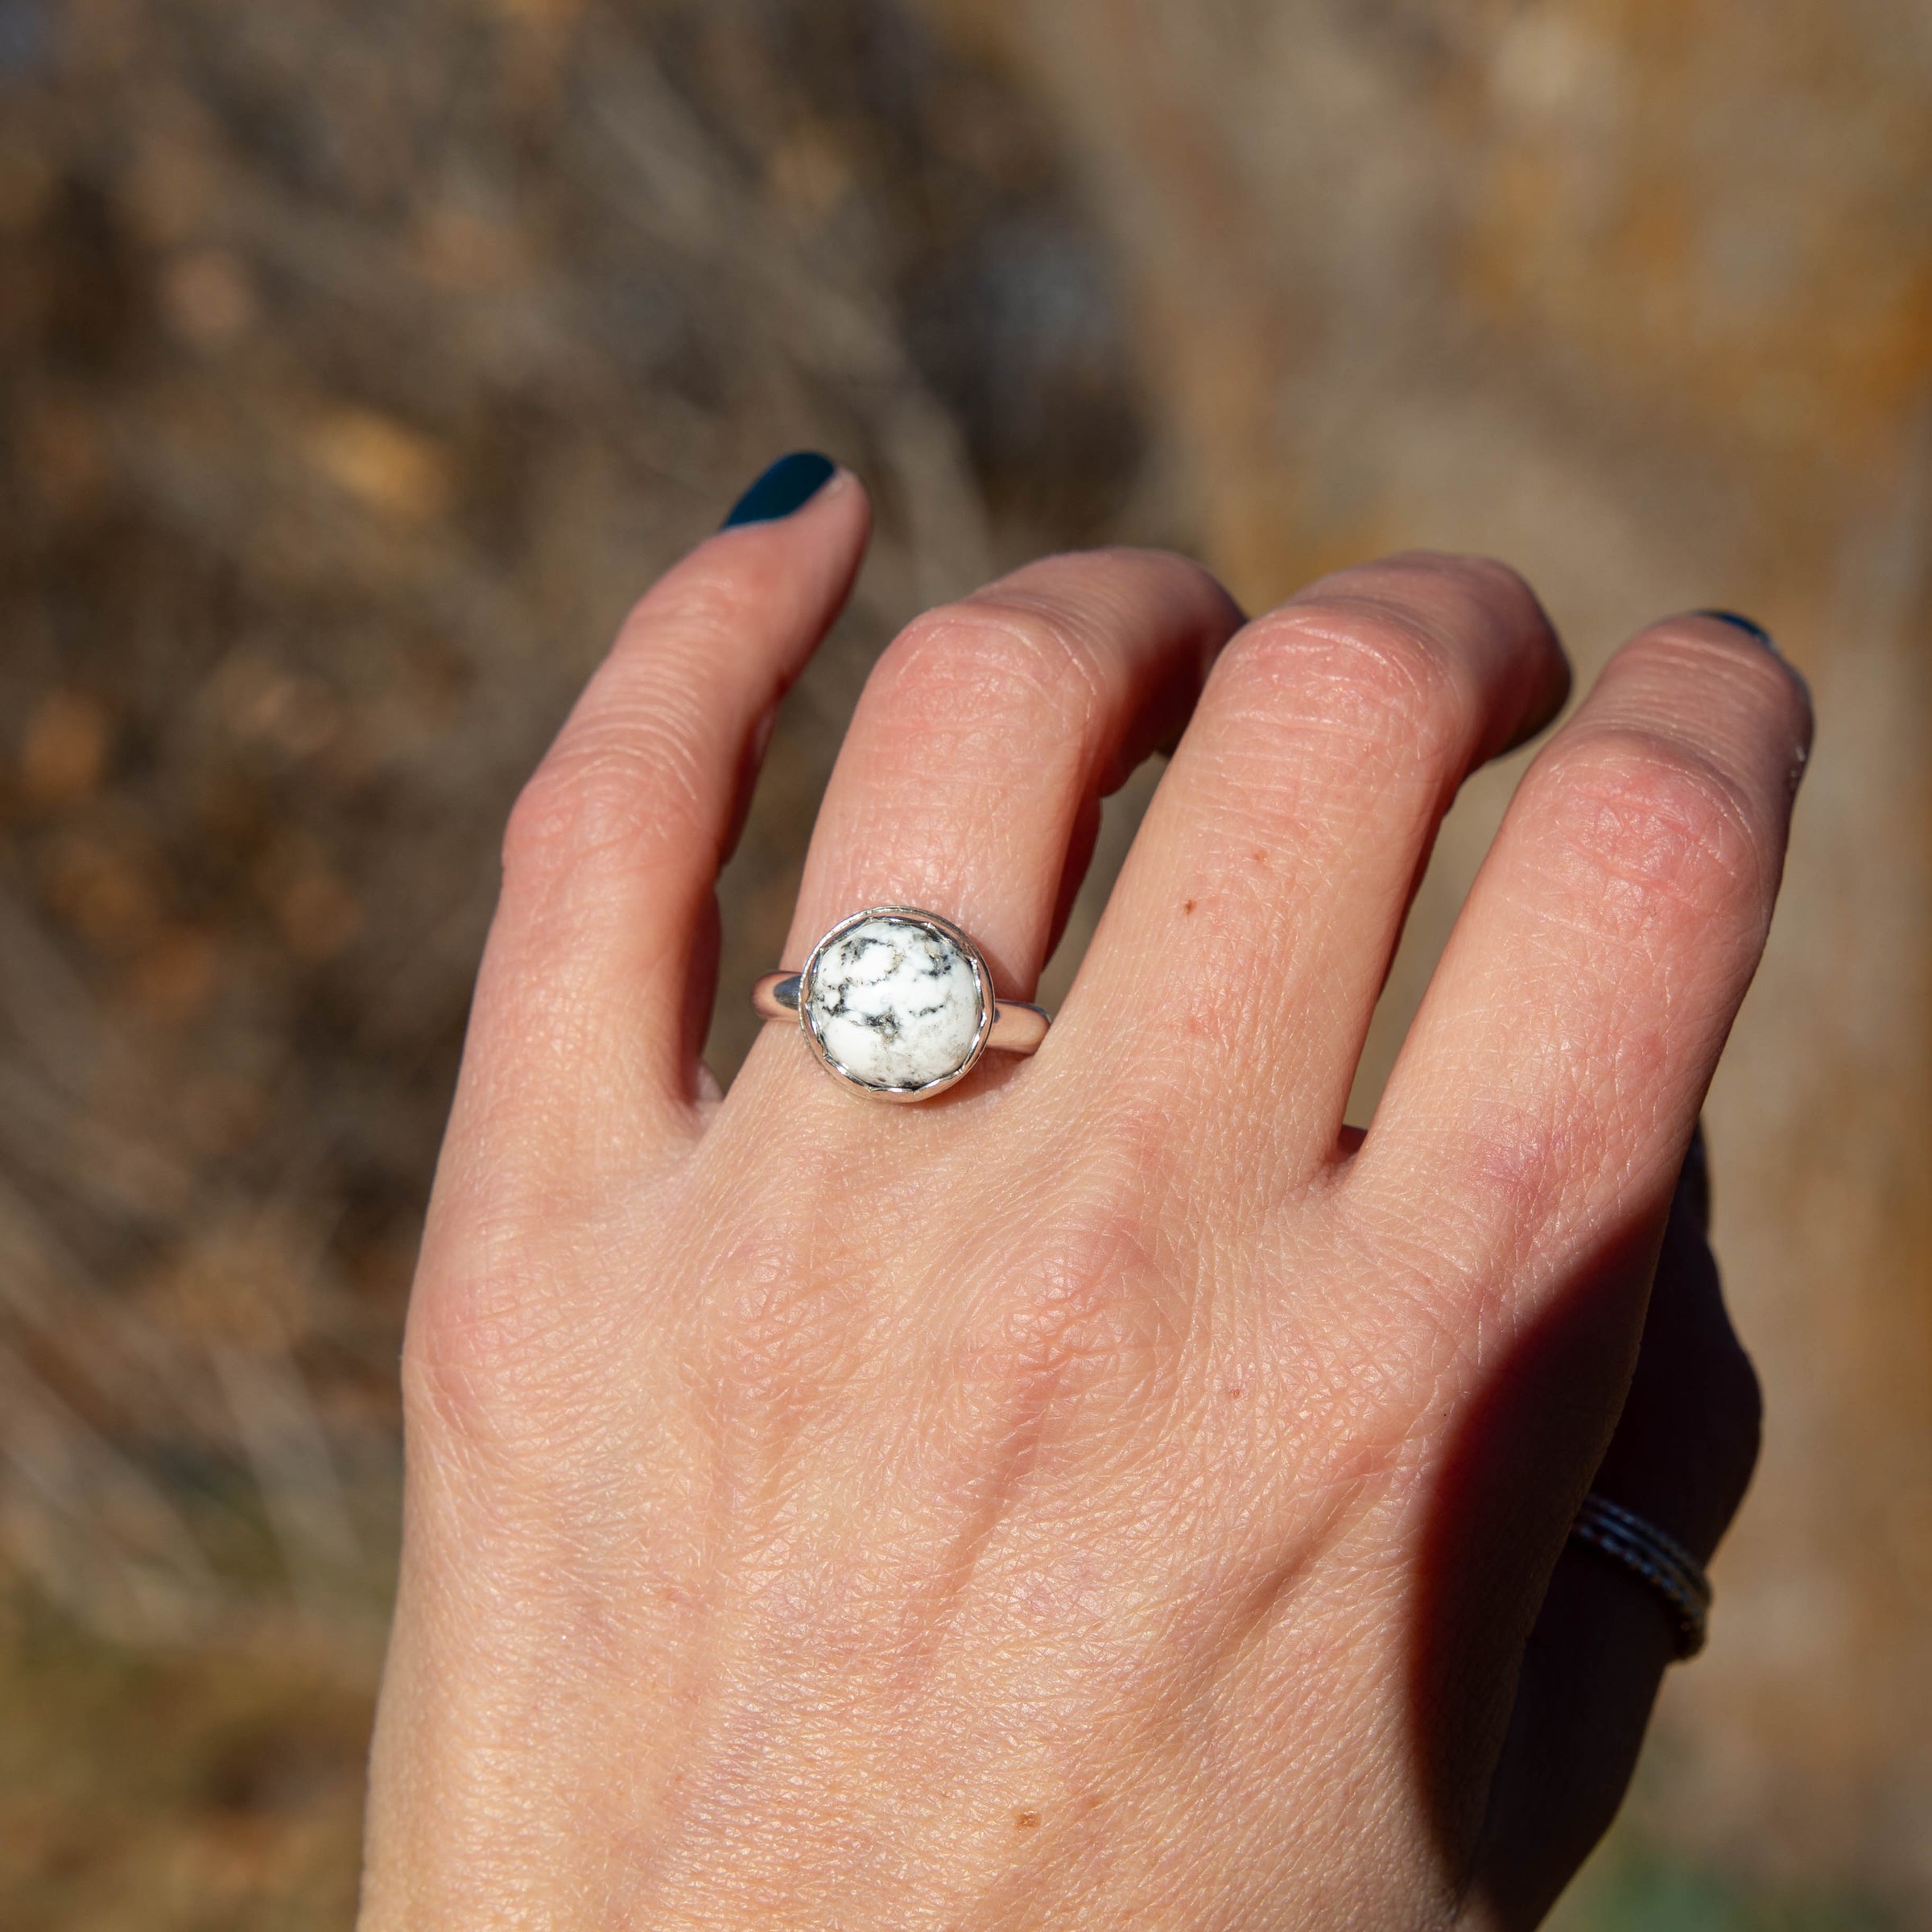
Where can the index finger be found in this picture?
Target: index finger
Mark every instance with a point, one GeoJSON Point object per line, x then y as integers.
{"type": "Point", "coordinates": [1549, 1086]}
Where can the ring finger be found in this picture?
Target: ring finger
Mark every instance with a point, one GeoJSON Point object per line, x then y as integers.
{"type": "Point", "coordinates": [970, 781]}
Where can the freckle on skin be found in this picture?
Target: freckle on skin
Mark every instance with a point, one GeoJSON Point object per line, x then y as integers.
{"type": "Point", "coordinates": [1186, 905]}
{"type": "Point", "coordinates": [1026, 1821]}
{"type": "Point", "coordinates": [1259, 857]}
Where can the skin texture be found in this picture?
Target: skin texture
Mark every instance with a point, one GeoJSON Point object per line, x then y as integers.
{"type": "Point", "coordinates": [1110, 1493]}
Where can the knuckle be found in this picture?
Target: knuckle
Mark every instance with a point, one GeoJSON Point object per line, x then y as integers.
{"type": "Point", "coordinates": [608, 796]}
{"type": "Point", "coordinates": [511, 1327]}
{"type": "Point", "coordinates": [993, 653]}
{"type": "Point", "coordinates": [1361, 670]}
{"type": "Point", "coordinates": [474, 1350]}
{"type": "Point", "coordinates": [1490, 575]}
{"type": "Point", "coordinates": [1653, 823]}
{"type": "Point", "coordinates": [707, 604]}
{"type": "Point", "coordinates": [1085, 1320]}
{"type": "Point", "coordinates": [1446, 594]}
{"type": "Point", "coordinates": [541, 823]}
{"type": "Point", "coordinates": [627, 770]}
{"type": "Point", "coordinates": [444, 1394]}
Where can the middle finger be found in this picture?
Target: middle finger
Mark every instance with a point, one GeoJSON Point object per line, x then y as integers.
{"type": "Point", "coordinates": [1251, 929]}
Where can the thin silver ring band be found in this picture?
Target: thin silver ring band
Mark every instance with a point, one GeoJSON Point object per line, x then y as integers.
{"type": "Point", "coordinates": [1661, 1561]}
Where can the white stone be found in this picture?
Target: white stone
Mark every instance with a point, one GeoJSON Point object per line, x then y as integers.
{"type": "Point", "coordinates": [895, 1003]}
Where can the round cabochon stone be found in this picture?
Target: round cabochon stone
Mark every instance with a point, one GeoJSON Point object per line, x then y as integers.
{"type": "Point", "coordinates": [895, 1003]}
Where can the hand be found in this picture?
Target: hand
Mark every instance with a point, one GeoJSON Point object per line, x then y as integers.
{"type": "Point", "coordinates": [1111, 1494]}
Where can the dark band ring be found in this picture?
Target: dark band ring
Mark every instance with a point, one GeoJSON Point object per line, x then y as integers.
{"type": "Point", "coordinates": [1661, 1561]}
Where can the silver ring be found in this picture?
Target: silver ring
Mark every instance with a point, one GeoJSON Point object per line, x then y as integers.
{"type": "Point", "coordinates": [898, 1003]}
{"type": "Point", "coordinates": [1661, 1561]}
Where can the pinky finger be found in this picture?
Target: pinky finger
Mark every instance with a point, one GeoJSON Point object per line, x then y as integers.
{"type": "Point", "coordinates": [1681, 1455]}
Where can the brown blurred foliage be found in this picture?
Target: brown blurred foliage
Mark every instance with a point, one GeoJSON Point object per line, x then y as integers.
{"type": "Point", "coordinates": [359, 363]}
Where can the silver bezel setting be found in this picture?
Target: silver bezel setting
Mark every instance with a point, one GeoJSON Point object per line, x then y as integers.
{"type": "Point", "coordinates": [914, 915]}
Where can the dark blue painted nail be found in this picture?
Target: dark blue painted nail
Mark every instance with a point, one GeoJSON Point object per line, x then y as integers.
{"type": "Point", "coordinates": [789, 485]}
{"type": "Point", "coordinates": [1744, 624]}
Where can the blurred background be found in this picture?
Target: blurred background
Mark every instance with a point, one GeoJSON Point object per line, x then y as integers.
{"type": "Point", "coordinates": [361, 360]}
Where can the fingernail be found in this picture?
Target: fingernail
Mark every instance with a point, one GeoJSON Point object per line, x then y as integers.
{"type": "Point", "coordinates": [789, 485]}
{"type": "Point", "coordinates": [1744, 624]}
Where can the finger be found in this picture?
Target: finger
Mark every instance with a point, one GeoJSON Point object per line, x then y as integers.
{"type": "Point", "coordinates": [1549, 1084]}
{"type": "Point", "coordinates": [1265, 894]}
{"type": "Point", "coordinates": [988, 732]}
{"type": "Point", "coordinates": [597, 981]}
{"type": "Point", "coordinates": [1681, 1457]}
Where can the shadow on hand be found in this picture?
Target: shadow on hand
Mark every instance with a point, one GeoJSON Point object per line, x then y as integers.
{"type": "Point", "coordinates": [1536, 1660]}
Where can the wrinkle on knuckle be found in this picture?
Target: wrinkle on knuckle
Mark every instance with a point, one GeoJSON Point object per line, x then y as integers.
{"type": "Point", "coordinates": [512, 1322]}
{"type": "Point", "coordinates": [1085, 1320]}
{"type": "Point", "coordinates": [1652, 830]}
{"type": "Point", "coordinates": [703, 610]}
{"type": "Point", "coordinates": [444, 1396]}
{"type": "Point", "coordinates": [481, 1359]}
{"type": "Point", "coordinates": [1444, 1265]}
{"type": "Point", "coordinates": [993, 658]}
{"type": "Point", "coordinates": [1353, 668]}
{"type": "Point", "coordinates": [613, 797]}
